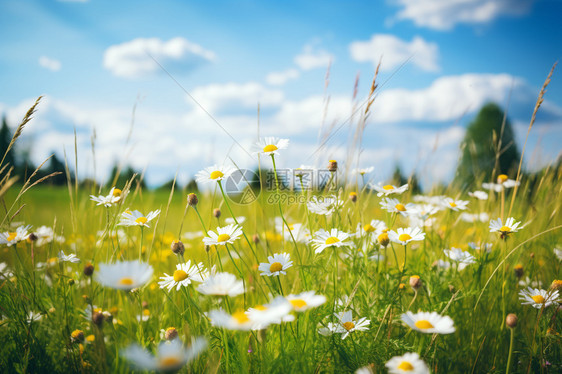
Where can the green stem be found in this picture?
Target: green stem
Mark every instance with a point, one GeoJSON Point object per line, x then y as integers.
{"type": "Point", "coordinates": [510, 351]}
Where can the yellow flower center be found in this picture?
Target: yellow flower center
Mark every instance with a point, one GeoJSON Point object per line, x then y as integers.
{"type": "Point", "coordinates": [291, 227]}
{"type": "Point", "coordinates": [404, 237]}
{"type": "Point", "coordinates": [141, 220]}
{"type": "Point", "coordinates": [405, 366]}
{"type": "Point", "coordinates": [388, 187]}
{"type": "Point", "coordinates": [169, 362]}
{"type": "Point", "coordinates": [400, 207]}
{"type": "Point", "coordinates": [217, 174]}
{"type": "Point", "coordinates": [505, 229]}
{"type": "Point", "coordinates": [117, 192]}
{"type": "Point", "coordinates": [270, 148]}
{"type": "Point", "coordinates": [452, 204]}
{"type": "Point", "coordinates": [12, 236]}
{"type": "Point", "coordinates": [223, 238]}
{"type": "Point", "coordinates": [241, 317]}
{"type": "Point", "coordinates": [332, 240]}
{"type": "Point", "coordinates": [368, 228]}
{"type": "Point", "coordinates": [298, 303]}
{"type": "Point", "coordinates": [52, 260]}
{"type": "Point", "coordinates": [90, 338]}
{"type": "Point", "coordinates": [502, 178]}
{"type": "Point", "coordinates": [276, 266]}
{"type": "Point", "coordinates": [126, 281]}
{"type": "Point", "coordinates": [146, 312]}
{"type": "Point", "coordinates": [348, 325]}
{"type": "Point", "coordinates": [539, 299]}
{"type": "Point", "coordinates": [423, 324]}
{"type": "Point", "coordinates": [260, 307]}
{"type": "Point", "coordinates": [179, 275]}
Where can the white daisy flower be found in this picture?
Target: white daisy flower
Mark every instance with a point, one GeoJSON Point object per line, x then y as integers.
{"type": "Point", "coordinates": [14, 237]}
{"type": "Point", "coordinates": [476, 217]}
{"type": "Point", "coordinates": [428, 322]}
{"type": "Point", "coordinates": [487, 247]}
{"type": "Point", "coordinates": [277, 264]}
{"type": "Point", "coordinates": [70, 258]}
{"type": "Point", "coordinates": [124, 275]}
{"type": "Point", "coordinates": [323, 205]}
{"type": "Point", "coordinates": [237, 321]}
{"type": "Point", "coordinates": [463, 258]}
{"type": "Point", "coordinates": [363, 171]}
{"type": "Point", "coordinates": [410, 363]}
{"type": "Point", "coordinates": [364, 370]}
{"type": "Point", "coordinates": [395, 206]}
{"type": "Point", "coordinates": [388, 189]}
{"type": "Point", "coordinates": [231, 221]}
{"type": "Point", "coordinates": [5, 270]}
{"type": "Point", "coordinates": [115, 195]}
{"type": "Point", "coordinates": [136, 218]}
{"type": "Point", "coordinates": [275, 312]}
{"type": "Point", "coordinates": [442, 264]}
{"type": "Point", "coordinates": [453, 204]}
{"type": "Point", "coordinates": [227, 234]}
{"type": "Point", "coordinates": [509, 227]}
{"type": "Point", "coordinates": [33, 317]}
{"type": "Point", "coordinates": [480, 195]}
{"type": "Point", "coordinates": [46, 235]}
{"type": "Point", "coordinates": [370, 230]}
{"type": "Point", "coordinates": [298, 231]}
{"type": "Point", "coordinates": [558, 253]}
{"type": "Point", "coordinates": [404, 236]}
{"type": "Point", "coordinates": [538, 298]}
{"type": "Point", "coordinates": [528, 282]}
{"type": "Point", "coordinates": [333, 238]}
{"type": "Point", "coordinates": [270, 145]}
{"type": "Point", "coordinates": [214, 173]}
{"type": "Point", "coordinates": [222, 284]}
{"type": "Point", "coordinates": [503, 181]}
{"type": "Point", "coordinates": [345, 325]}
{"type": "Point", "coordinates": [184, 275]}
{"type": "Point", "coordinates": [306, 300]}
{"type": "Point", "coordinates": [171, 355]}
{"type": "Point", "coordinates": [423, 211]}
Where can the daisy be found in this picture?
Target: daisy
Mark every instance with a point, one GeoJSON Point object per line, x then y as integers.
{"type": "Point", "coordinates": [115, 195]}
{"type": "Point", "coordinates": [275, 312]}
{"type": "Point", "coordinates": [345, 325]}
{"type": "Point", "coordinates": [333, 238]}
{"type": "Point", "coordinates": [323, 205]}
{"type": "Point", "coordinates": [538, 298]}
{"type": "Point", "coordinates": [404, 236]}
{"type": "Point", "coordinates": [277, 264]}
{"type": "Point", "coordinates": [46, 235]}
{"type": "Point", "coordinates": [480, 195]}
{"type": "Point", "coordinates": [171, 355]}
{"type": "Point", "coordinates": [504, 230]}
{"type": "Point", "coordinates": [453, 204]}
{"type": "Point", "coordinates": [467, 217]}
{"type": "Point", "coordinates": [363, 171]}
{"type": "Point", "coordinates": [297, 230]}
{"type": "Point", "coordinates": [503, 181]}
{"type": "Point", "coordinates": [410, 363]}
{"type": "Point", "coordinates": [429, 323]}
{"type": "Point", "coordinates": [184, 275]}
{"type": "Point", "coordinates": [423, 211]}
{"type": "Point", "coordinates": [395, 206]}
{"type": "Point", "coordinates": [371, 229]}
{"type": "Point", "coordinates": [70, 258]}
{"type": "Point", "coordinates": [237, 321]}
{"type": "Point", "coordinates": [222, 284]}
{"type": "Point", "coordinates": [230, 220]}
{"type": "Point", "coordinates": [528, 282]}
{"type": "Point", "coordinates": [124, 275]}
{"type": "Point", "coordinates": [214, 173]}
{"type": "Point", "coordinates": [227, 234]}
{"type": "Point", "coordinates": [14, 237]}
{"type": "Point", "coordinates": [388, 189]}
{"type": "Point", "coordinates": [306, 300]}
{"type": "Point", "coordinates": [136, 218]}
{"type": "Point", "coordinates": [463, 258]}
{"type": "Point", "coordinates": [270, 145]}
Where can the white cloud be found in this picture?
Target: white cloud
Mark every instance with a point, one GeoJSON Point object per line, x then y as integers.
{"type": "Point", "coordinates": [132, 59]}
{"type": "Point", "coordinates": [445, 14]}
{"type": "Point", "coordinates": [395, 51]}
{"type": "Point", "coordinates": [312, 59]}
{"type": "Point", "coordinates": [279, 78]}
{"type": "Point", "coordinates": [49, 63]}
{"type": "Point", "coordinates": [232, 95]}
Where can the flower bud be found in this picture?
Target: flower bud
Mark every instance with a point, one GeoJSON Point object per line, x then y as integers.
{"type": "Point", "coordinates": [332, 165]}
{"type": "Point", "coordinates": [353, 196]}
{"type": "Point", "coordinates": [32, 237]}
{"type": "Point", "coordinates": [71, 282]}
{"type": "Point", "coordinates": [518, 269]}
{"type": "Point", "coordinates": [88, 269]}
{"type": "Point", "coordinates": [192, 199]}
{"type": "Point", "coordinates": [171, 333]}
{"type": "Point", "coordinates": [178, 247]}
{"type": "Point", "coordinates": [217, 212]}
{"type": "Point", "coordinates": [502, 178]}
{"type": "Point", "coordinates": [452, 288]}
{"type": "Point", "coordinates": [415, 282]}
{"type": "Point", "coordinates": [511, 320]}
{"type": "Point", "coordinates": [145, 304]}
{"type": "Point", "coordinates": [256, 238]}
{"type": "Point", "coordinates": [556, 285]}
{"type": "Point", "coordinates": [107, 316]}
{"type": "Point", "coordinates": [383, 239]}
{"type": "Point", "coordinates": [52, 310]}
{"type": "Point", "coordinates": [77, 336]}
{"type": "Point", "coordinates": [97, 318]}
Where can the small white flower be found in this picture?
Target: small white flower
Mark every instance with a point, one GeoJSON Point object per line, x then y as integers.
{"type": "Point", "coordinates": [345, 325]}
{"type": "Point", "coordinates": [423, 211]}
{"type": "Point", "coordinates": [275, 312]}
{"type": "Point", "coordinates": [428, 322]}
{"type": "Point", "coordinates": [70, 258]}
{"type": "Point", "coordinates": [370, 230]}
{"type": "Point", "coordinates": [136, 218]}
{"type": "Point", "coordinates": [306, 300]}
{"type": "Point", "coordinates": [463, 258]}
{"type": "Point", "coordinates": [510, 226]}
{"type": "Point", "coordinates": [222, 284]}
{"type": "Point", "coordinates": [538, 298]}
{"type": "Point", "coordinates": [487, 247]}
{"type": "Point", "coordinates": [124, 275]}
{"type": "Point", "coordinates": [231, 221]}
{"type": "Point", "coordinates": [453, 204]}
{"type": "Point", "coordinates": [14, 237]}
{"type": "Point", "coordinates": [409, 363]}
{"type": "Point", "coordinates": [237, 321]}
{"type": "Point", "coordinates": [115, 195]}
{"type": "Point", "coordinates": [404, 236]}
{"type": "Point", "coordinates": [476, 217]}
{"type": "Point", "coordinates": [334, 238]}
{"type": "Point", "coordinates": [227, 234]}
{"type": "Point", "coordinates": [364, 170]}
{"type": "Point", "coordinates": [558, 253]}
{"type": "Point", "coordinates": [527, 282]}
{"type": "Point", "coordinates": [480, 195]}
{"type": "Point", "coordinates": [214, 173]}
{"type": "Point", "coordinates": [270, 145]}
{"type": "Point", "coordinates": [184, 275]}
{"type": "Point", "coordinates": [395, 206]}
{"type": "Point", "coordinates": [277, 264]}
{"type": "Point", "coordinates": [323, 205]}
{"type": "Point", "coordinates": [171, 355]}
{"type": "Point", "coordinates": [388, 189]}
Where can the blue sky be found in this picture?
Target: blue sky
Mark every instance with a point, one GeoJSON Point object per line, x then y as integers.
{"type": "Point", "coordinates": [441, 60]}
